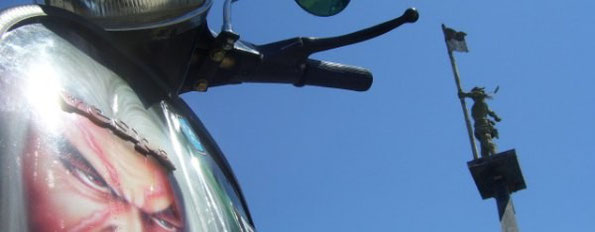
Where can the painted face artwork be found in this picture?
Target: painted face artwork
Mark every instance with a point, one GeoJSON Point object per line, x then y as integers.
{"type": "Point", "coordinates": [114, 187]}
{"type": "Point", "coordinates": [84, 149]}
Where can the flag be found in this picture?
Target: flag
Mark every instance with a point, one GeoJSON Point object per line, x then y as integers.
{"type": "Point", "coordinates": [455, 40]}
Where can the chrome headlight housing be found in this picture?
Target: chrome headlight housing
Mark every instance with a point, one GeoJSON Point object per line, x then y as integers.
{"type": "Point", "coordinates": [124, 15]}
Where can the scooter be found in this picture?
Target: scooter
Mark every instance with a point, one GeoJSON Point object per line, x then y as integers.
{"type": "Point", "coordinates": [93, 134]}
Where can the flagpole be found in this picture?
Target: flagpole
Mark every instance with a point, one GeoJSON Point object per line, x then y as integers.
{"type": "Point", "coordinates": [455, 70]}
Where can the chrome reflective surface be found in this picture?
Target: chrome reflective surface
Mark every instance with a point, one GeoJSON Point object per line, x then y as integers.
{"type": "Point", "coordinates": [120, 15]}
{"type": "Point", "coordinates": [62, 171]}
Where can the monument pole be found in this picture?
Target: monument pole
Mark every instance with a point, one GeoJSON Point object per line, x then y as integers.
{"type": "Point", "coordinates": [496, 175]}
{"type": "Point", "coordinates": [455, 71]}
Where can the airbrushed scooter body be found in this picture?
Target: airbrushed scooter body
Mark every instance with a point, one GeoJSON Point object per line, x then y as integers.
{"type": "Point", "coordinates": [95, 138]}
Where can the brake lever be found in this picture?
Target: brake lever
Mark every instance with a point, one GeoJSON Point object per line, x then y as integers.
{"type": "Point", "coordinates": [305, 46]}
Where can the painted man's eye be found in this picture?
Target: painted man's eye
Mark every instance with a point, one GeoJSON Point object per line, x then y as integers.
{"type": "Point", "coordinates": [80, 168]}
{"type": "Point", "coordinates": [91, 180]}
{"type": "Point", "coordinates": [164, 224]}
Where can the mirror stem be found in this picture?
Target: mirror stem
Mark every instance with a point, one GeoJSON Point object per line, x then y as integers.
{"type": "Point", "coordinates": [227, 16]}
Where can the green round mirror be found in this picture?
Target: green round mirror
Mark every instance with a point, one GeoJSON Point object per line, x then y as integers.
{"type": "Point", "coordinates": [323, 7]}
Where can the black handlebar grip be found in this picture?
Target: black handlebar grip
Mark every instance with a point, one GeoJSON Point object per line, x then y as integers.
{"type": "Point", "coordinates": [329, 74]}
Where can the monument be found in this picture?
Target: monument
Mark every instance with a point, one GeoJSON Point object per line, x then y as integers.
{"type": "Point", "coordinates": [496, 175]}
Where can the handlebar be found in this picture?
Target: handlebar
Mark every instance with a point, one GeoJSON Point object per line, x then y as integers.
{"type": "Point", "coordinates": [286, 61]}
{"type": "Point", "coordinates": [335, 75]}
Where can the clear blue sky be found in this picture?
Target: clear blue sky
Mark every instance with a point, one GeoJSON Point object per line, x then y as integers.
{"type": "Point", "coordinates": [394, 158]}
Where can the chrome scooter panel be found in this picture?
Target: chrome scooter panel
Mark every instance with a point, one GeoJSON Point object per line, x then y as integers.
{"type": "Point", "coordinates": [90, 141]}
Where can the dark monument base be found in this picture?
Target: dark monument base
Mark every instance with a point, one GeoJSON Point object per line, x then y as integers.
{"type": "Point", "coordinates": [490, 173]}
